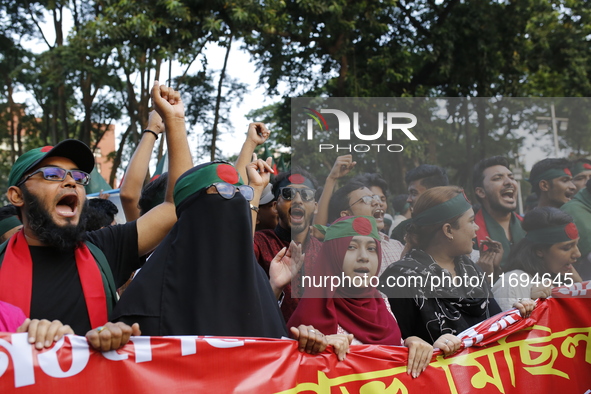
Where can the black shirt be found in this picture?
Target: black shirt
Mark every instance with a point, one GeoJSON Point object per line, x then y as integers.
{"type": "Point", "coordinates": [57, 291]}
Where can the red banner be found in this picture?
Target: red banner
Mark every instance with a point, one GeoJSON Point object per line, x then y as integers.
{"type": "Point", "coordinates": [548, 352]}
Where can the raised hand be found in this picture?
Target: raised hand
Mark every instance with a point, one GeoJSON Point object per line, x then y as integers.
{"type": "Point", "coordinates": [285, 266]}
{"type": "Point", "coordinates": [257, 133]}
{"type": "Point", "coordinates": [342, 166]}
{"type": "Point", "coordinates": [259, 172]}
{"type": "Point", "coordinates": [168, 103]}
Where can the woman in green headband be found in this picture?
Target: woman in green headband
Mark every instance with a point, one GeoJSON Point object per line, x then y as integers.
{"type": "Point", "coordinates": [542, 260]}
{"type": "Point", "coordinates": [436, 291]}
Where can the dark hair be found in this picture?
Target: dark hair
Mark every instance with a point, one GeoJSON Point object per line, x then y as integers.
{"type": "Point", "coordinates": [478, 171]}
{"type": "Point", "coordinates": [340, 199]}
{"type": "Point", "coordinates": [8, 211]}
{"type": "Point", "coordinates": [100, 213]}
{"type": "Point", "coordinates": [545, 165]}
{"type": "Point", "coordinates": [429, 175]}
{"type": "Point", "coordinates": [523, 255]}
{"type": "Point", "coordinates": [153, 193]}
{"type": "Point", "coordinates": [398, 203]}
{"type": "Point", "coordinates": [370, 179]}
{"type": "Point", "coordinates": [421, 236]}
{"type": "Point", "coordinates": [285, 174]}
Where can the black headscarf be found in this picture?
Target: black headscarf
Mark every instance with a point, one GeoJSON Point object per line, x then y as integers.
{"type": "Point", "coordinates": [203, 279]}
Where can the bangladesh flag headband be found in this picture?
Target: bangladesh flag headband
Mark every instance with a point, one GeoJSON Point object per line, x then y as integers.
{"type": "Point", "coordinates": [444, 211]}
{"type": "Point", "coordinates": [550, 174]}
{"type": "Point", "coordinates": [201, 177]}
{"type": "Point", "coordinates": [358, 225]}
{"type": "Point", "coordinates": [580, 167]}
{"type": "Point", "coordinates": [293, 179]}
{"type": "Point", "coordinates": [553, 235]}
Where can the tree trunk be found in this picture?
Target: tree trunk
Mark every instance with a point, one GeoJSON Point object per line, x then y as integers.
{"type": "Point", "coordinates": [119, 154]}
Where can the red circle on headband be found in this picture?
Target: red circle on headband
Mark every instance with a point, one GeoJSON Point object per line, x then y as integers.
{"type": "Point", "coordinates": [567, 172]}
{"type": "Point", "coordinates": [296, 179]}
{"type": "Point", "coordinates": [46, 149]}
{"type": "Point", "coordinates": [227, 173]}
{"type": "Point", "coordinates": [587, 166]}
{"type": "Point", "coordinates": [571, 231]}
{"type": "Point", "coordinates": [362, 226]}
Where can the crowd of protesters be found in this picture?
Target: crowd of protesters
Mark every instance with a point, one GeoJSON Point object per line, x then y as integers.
{"type": "Point", "coordinates": [237, 250]}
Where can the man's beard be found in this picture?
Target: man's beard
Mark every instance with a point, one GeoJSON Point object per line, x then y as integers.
{"type": "Point", "coordinates": [47, 231]}
{"type": "Point", "coordinates": [497, 206]}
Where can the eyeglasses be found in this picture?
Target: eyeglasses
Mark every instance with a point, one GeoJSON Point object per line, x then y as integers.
{"type": "Point", "coordinates": [58, 174]}
{"type": "Point", "coordinates": [368, 200]}
{"type": "Point", "coordinates": [289, 193]}
{"type": "Point", "coordinates": [228, 191]}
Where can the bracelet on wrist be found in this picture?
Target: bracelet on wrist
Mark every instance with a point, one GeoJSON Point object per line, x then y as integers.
{"type": "Point", "coordinates": [150, 131]}
{"type": "Point", "coordinates": [256, 209]}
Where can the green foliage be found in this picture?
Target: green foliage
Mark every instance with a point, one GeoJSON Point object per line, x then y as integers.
{"type": "Point", "coordinates": [101, 70]}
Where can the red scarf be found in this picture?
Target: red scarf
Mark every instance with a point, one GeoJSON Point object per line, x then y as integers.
{"type": "Point", "coordinates": [16, 279]}
{"type": "Point", "coordinates": [367, 319]}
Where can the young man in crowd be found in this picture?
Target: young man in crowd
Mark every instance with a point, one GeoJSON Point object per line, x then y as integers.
{"type": "Point", "coordinates": [552, 181]}
{"type": "Point", "coordinates": [580, 209]}
{"type": "Point", "coordinates": [53, 268]}
{"type": "Point", "coordinates": [419, 180]}
{"type": "Point", "coordinates": [581, 170]}
{"type": "Point", "coordinates": [496, 190]}
{"type": "Point", "coordinates": [267, 214]}
{"type": "Point", "coordinates": [295, 203]}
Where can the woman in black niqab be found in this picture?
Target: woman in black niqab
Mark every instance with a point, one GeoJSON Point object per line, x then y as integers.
{"type": "Point", "coordinates": [203, 279]}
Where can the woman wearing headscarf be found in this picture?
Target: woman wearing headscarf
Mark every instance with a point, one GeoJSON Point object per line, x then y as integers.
{"type": "Point", "coordinates": [436, 291]}
{"type": "Point", "coordinates": [203, 279]}
{"type": "Point", "coordinates": [541, 260]}
{"type": "Point", "coordinates": [351, 252]}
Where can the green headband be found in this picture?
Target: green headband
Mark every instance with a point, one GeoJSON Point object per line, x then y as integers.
{"type": "Point", "coordinates": [442, 212]}
{"type": "Point", "coordinates": [550, 174]}
{"type": "Point", "coordinates": [201, 178]}
{"type": "Point", "coordinates": [358, 225]}
{"type": "Point", "coordinates": [580, 167]}
{"type": "Point", "coordinates": [9, 223]}
{"type": "Point", "coordinates": [553, 235]}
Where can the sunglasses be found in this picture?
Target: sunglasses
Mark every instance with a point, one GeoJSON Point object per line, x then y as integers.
{"type": "Point", "coordinates": [228, 191]}
{"type": "Point", "coordinates": [289, 193]}
{"type": "Point", "coordinates": [58, 174]}
{"type": "Point", "coordinates": [368, 200]}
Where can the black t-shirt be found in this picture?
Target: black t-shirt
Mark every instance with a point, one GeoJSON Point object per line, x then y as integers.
{"type": "Point", "coordinates": [57, 291]}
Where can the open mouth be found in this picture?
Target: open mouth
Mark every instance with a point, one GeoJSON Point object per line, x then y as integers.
{"type": "Point", "coordinates": [378, 214]}
{"type": "Point", "coordinates": [296, 215]}
{"type": "Point", "coordinates": [569, 195]}
{"type": "Point", "coordinates": [67, 205]}
{"type": "Point", "coordinates": [508, 195]}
